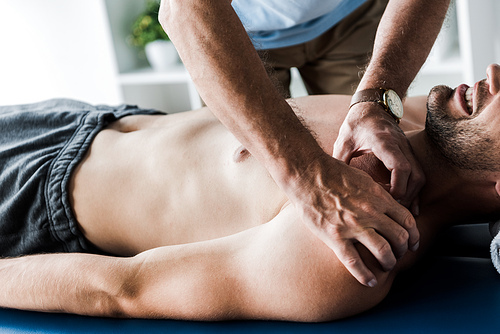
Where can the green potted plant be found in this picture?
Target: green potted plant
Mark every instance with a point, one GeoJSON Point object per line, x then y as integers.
{"type": "Point", "coordinates": [148, 34]}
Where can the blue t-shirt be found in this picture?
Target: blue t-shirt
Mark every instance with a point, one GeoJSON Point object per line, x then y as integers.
{"type": "Point", "coordinates": [279, 23]}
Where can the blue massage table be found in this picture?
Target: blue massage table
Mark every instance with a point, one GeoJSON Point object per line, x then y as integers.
{"type": "Point", "coordinates": [455, 290]}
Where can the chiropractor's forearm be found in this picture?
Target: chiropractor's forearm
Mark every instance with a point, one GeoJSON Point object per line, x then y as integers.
{"type": "Point", "coordinates": [231, 79]}
{"type": "Point", "coordinates": [404, 39]}
{"type": "Point", "coordinates": [75, 283]}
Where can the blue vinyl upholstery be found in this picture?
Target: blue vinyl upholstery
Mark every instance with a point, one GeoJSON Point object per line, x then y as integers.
{"type": "Point", "coordinates": [444, 294]}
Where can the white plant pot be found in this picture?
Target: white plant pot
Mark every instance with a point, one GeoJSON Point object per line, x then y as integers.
{"type": "Point", "coordinates": [161, 55]}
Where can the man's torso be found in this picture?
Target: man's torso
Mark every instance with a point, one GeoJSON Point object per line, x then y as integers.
{"type": "Point", "coordinates": [150, 181]}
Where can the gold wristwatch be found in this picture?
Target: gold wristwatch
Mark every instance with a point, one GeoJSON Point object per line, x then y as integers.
{"type": "Point", "coordinates": [387, 98]}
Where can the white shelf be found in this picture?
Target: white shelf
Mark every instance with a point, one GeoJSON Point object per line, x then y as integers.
{"type": "Point", "coordinates": [177, 75]}
{"type": "Point", "coordinates": [460, 55]}
{"type": "Point", "coordinates": [144, 76]}
{"type": "Point", "coordinates": [110, 71]}
{"type": "Point", "coordinates": [171, 90]}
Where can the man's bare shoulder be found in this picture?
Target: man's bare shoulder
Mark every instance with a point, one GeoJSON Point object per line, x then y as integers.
{"type": "Point", "coordinates": [278, 270]}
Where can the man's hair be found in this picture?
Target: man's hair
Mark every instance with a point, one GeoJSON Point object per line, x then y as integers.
{"type": "Point", "coordinates": [271, 73]}
{"type": "Point", "coordinates": [462, 144]}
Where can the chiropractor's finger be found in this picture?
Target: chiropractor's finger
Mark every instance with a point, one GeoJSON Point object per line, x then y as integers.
{"type": "Point", "coordinates": [401, 234]}
{"type": "Point", "coordinates": [343, 149]}
{"type": "Point", "coordinates": [407, 177]}
{"type": "Point", "coordinates": [415, 206]}
{"type": "Point", "coordinates": [416, 180]}
{"type": "Point", "coordinates": [389, 152]}
{"type": "Point", "coordinates": [379, 247]}
{"type": "Point", "coordinates": [404, 218]}
{"type": "Point", "coordinates": [347, 253]}
{"type": "Point", "coordinates": [366, 129]}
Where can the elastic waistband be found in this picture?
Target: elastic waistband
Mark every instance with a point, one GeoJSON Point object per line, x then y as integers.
{"type": "Point", "coordinates": [64, 226]}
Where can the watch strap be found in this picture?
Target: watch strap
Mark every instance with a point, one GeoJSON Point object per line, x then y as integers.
{"type": "Point", "coordinates": [372, 95]}
{"type": "Point", "coordinates": [368, 95]}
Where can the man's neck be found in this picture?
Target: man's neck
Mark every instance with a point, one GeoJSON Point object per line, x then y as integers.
{"type": "Point", "coordinates": [444, 197]}
{"type": "Point", "coordinates": [448, 195]}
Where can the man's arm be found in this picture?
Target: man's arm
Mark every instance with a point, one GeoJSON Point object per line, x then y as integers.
{"type": "Point", "coordinates": [233, 82]}
{"type": "Point", "coordinates": [404, 39]}
{"type": "Point", "coordinates": [405, 36]}
{"type": "Point", "coordinates": [278, 270]}
{"type": "Point", "coordinates": [73, 283]}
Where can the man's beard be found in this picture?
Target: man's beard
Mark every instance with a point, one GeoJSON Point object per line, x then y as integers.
{"type": "Point", "coordinates": [461, 142]}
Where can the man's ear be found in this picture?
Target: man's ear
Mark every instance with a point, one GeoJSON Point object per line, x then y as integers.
{"type": "Point", "coordinates": [497, 187]}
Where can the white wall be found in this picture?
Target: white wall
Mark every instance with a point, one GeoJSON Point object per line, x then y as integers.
{"type": "Point", "coordinates": [478, 38]}
{"type": "Point", "coordinates": [494, 16]}
{"type": "Point", "coordinates": [478, 45]}
{"type": "Point", "coordinates": [63, 48]}
{"type": "Point", "coordinates": [56, 48]}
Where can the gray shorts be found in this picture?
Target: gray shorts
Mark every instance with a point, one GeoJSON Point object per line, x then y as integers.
{"type": "Point", "coordinates": [40, 146]}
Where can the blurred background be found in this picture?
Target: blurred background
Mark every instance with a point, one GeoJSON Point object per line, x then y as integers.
{"type": "Point", "coordinates": [86, 50]}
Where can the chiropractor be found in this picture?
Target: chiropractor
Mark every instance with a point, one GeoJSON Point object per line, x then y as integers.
{"type": "Point", "coordinates": [340, 204]}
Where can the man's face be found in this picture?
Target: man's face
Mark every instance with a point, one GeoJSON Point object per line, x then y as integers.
{"type": "Point", "coordinates": [464, 123]}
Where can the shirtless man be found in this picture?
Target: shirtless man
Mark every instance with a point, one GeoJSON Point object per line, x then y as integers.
{"type": "Point", "coordinates": [209, 234]}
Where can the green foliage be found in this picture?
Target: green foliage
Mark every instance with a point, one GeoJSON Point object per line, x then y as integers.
{"type": "Point", "coordinates": [146, 27]}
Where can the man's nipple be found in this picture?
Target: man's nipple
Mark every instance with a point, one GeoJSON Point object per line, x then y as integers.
{"type": "Point", "coordinates": [241, 154]}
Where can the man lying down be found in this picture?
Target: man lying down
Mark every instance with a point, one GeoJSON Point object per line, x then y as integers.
{"type": "Point", "coordinates": [195, 227]}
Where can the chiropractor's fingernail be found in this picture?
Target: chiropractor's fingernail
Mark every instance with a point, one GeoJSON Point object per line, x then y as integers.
{"type": "Point", "coordinates": [415, 247]}
{"type": "Point", "coordinates": [372, 283]}
{"type": "Point", "coordinates": [416, 210]}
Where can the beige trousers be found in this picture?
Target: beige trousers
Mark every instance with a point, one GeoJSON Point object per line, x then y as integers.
{"type": "Point", "coordinates": [332, 63]}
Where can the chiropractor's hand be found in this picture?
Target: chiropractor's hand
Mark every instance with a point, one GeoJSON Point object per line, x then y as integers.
{"type": "Point", "coordinates": [369, 129]}
{"type": "Point", "coordinates": [342, 205]}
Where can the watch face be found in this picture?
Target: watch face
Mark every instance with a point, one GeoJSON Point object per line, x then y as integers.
{"type": "Point", "coordinates": [394, 103]}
